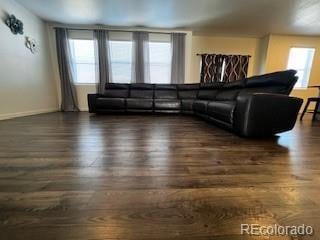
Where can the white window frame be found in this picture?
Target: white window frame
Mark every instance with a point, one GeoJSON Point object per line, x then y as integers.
{"type": "Point", "coordinates": [82, 35]}
{"type": "Point", "coordinates": [119, 36]}
{"type": "Point", "coordinates": [160, 38]}
{"type": "Point", "coordinates": [307, 68]}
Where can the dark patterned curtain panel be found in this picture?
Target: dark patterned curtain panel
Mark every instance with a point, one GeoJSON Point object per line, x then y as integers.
{"type": "Point", "coordinates": [236, 67]}
{"type": "Point", "coordinates": [211, 67]}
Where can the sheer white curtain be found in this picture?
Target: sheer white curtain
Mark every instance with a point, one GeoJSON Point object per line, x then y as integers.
{"type": "Point", "coordinates": [69, 102]}
{"type": "Point", "coordinates": [102, 54]}
{"type": "Point", "coordinates": [178, 57]}
{"type": "Point", "coordinates": [141, 68]}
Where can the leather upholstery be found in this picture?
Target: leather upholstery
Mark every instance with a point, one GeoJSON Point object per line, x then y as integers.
{"type": "Point", "coordinates": [284, 80]}
{"type": "Point", "coordinates": [115, 90]}
{"type": "Point", "coordinates": [92, 102]}
{"type": "Point", "coordinates": [227, 95]}
{"type": "Point", "coordinates": [137, 103]}
{"type": "Point", "coordinates": [251, 107]}
{"type": "Point", "coordinates": [234, 85]}
{"type": "Point", "coordinates": [167, 104]}
{"type": "Point", "coordinates": [186, 105]}
{"type": "Point", "coordinates": [262, 114]}
{"type": "Point", "coordinates": [140, 90]}
{"type": "Point", "coordinates": [269, 89]}
{"type": "Point", "coordinates": [200, 106]}
{"type": "Point", "coordinates": [209, 91]}
{"type": "Point", "coordinates": [208, 94]}
{"type": "Point", "coordinates": [222, 111]}
{"type": "Point", "coordinates": [188, 91]}
{"type": "Point", "coordinates": [186, 87]}
{"type": "Point", "coordinates": [276, 78]}
{"type": "Point", "coordinates": [110, 103]}
{"type": "Point", "coordinates": [229, 91]}
{"type": "Point", "coordinates": [164, 91]}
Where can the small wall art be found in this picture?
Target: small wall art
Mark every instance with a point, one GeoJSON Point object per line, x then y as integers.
{"type": "Point", "coordinates": [32, 45]}
{"type": "Point", "coordinates": [15, 25]}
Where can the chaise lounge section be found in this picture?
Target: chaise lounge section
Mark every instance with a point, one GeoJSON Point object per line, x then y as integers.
{"type": "Point", "coordinates": [253, 107]}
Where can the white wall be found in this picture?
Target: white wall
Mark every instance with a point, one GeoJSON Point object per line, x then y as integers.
{"type": "Point", "coordinates": [26, 83]}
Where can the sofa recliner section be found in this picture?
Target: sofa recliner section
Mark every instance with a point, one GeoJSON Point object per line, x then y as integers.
{"type": "Point", "coordinates": [252, 107]}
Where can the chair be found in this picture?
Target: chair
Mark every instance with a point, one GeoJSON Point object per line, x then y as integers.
{"type": "Point", "coordinates": [315, 111]}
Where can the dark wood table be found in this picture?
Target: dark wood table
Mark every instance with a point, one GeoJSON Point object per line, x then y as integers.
{"type": "Point", "coordinates": [313, 99]}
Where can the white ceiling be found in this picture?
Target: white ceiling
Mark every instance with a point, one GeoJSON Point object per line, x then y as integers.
{"type": "Point", "coordinates": [245, 17]}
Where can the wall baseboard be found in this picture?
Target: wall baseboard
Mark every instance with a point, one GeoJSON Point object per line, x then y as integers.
{"type": "Point", "coordinates": [27, 113]}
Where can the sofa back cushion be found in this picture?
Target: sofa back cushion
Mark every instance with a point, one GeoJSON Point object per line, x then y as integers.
{"type": "Point", "coordinates": [235, 84]}
{"type": "Point", "coordinates": [165, 91]}
{"type": "Point", "coordinates": [209, 91]}
{"type": "Point", "coordinates": [229, 91]}
{"type": "Point", "coordinates": [188, 91]}
{"type": "Point", "coordinates": [141, 90]}
{"type": "Point", "coordinates": [270, 89]}
{"type": "Point", "coordinates": [227, 94]}
{"type": "Point", "coordinates": [281, 82]}
{"type": "Point", "coordinates": [116, 90]}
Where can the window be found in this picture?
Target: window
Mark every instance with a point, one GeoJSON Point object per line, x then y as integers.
{"type": "Point", "coordinates": [121, 61]}
{"type": "Point", "coordinates": [160, 54]}
{"type": "Point", "coordinates": [121, 47]}
{"type": "Point", "coordinates": [83, 61]}
{"type": "Point", "coordinates": [301, 59]}
{"type": "Point", "coordinates": [160, 62]}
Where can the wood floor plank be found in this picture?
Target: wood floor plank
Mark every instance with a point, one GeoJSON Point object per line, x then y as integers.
{"type": "Point", "coordinates": [151, 177]}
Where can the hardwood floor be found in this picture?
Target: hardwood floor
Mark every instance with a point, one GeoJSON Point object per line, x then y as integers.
{"type": "Point", "coordinates": [76, 176]}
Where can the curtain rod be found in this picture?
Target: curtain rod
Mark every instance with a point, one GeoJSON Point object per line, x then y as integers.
{"type": "Point", "coordinates": [117, 30]}
{"type": "Point", "coordinates": [200, 54]}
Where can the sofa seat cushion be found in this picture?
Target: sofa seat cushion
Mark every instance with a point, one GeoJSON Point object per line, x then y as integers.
{"type": "Point", "coordinates": [186, 105]}
{"type": "Point", "coordinates": [200, 106]}
{"type": "Point", "coordinates": [139, 103]}
{"type": "Point", "coordinates": [167, 104]}
{"type": "Point", "coordinates": [221, 110]}
{"type": "Point", "coordinates": [111, 103]}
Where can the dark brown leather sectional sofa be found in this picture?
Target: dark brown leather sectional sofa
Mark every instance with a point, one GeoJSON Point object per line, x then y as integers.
{"type": "Point", "coordinates": [253, 107]}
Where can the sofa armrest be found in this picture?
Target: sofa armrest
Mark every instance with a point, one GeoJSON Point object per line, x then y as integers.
{"type": "Point", "coordinates": [263, 114]}
{"type": "Point", "coordinates": [92, 99]}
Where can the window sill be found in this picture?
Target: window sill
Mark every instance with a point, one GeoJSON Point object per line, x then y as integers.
{"type": "Point", "coordinates": [85, 84]}
{"type": "Point", "coordinates": [302, 88]}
